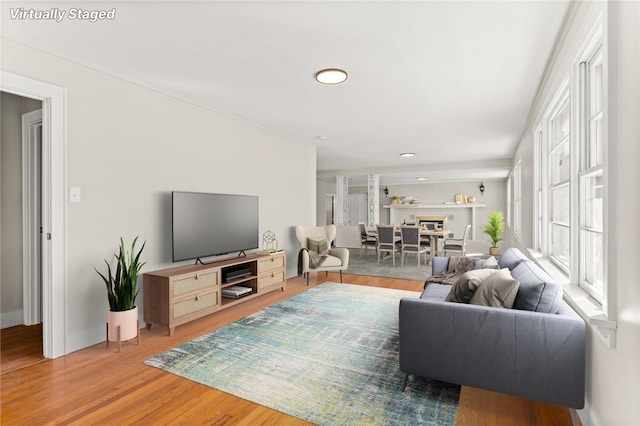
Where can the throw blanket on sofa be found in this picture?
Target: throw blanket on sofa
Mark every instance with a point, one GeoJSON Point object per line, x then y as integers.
{"type": "Point", "coordinates": [315, 259]}
{"type": "Point", "coordinates": [456, 267]}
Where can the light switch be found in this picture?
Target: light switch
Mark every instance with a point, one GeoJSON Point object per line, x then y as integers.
{"type": "Point", "coordinates": [74, 194]}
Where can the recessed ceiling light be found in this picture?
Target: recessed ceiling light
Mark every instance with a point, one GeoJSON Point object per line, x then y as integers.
{"type": "Point", "coordinates": [322, 138]}
{"type": "Point", "coordinates": [421, 178]}
{"type": "Point", "coordinates": [407, 154]}
{"type": "Point", "coordinates": [331, 76]}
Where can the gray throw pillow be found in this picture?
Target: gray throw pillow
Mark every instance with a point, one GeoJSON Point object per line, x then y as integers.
{"type": "Point", "coordinates": [318, 245]}
{"type": "Point", "coordinates": [498, 290]}
{"type": "Point", "coordinates": [462, 291]}
{"type": "Point", "coordinates": [490, 263]}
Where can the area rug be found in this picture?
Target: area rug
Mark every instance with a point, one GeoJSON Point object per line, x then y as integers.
{"type": "Point", "coordinates": [328, 355]}
{"type": "Point", "coordinates": [367, 264]}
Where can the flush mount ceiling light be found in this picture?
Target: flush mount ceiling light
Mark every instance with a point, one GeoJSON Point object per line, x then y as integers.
{"type": "Point", "coordinates": [421, 178]}
{"type": "Point", "coordinates": [331, 76]}
{"type": "Point", "coordinates": [407, 154]}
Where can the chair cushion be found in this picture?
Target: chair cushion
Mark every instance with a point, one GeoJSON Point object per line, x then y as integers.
{"type": "Point", "coordinates": [538, 292]}
{"type": "Point", "coordinates": [462, 291]}
{"type": "Point", "coordinates": [452, 247]}
{"type": "Point", "coordinates": [498, 290]}
{"type": "Point", "coordinates": [331, 261]}
{"type": "Point", "coordinates": [318, 245]}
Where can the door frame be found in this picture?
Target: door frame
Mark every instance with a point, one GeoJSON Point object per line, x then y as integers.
{"type": "Point", "coordinates": [31, 218]}
{"type": "Point", "coordinates": [54, 207]}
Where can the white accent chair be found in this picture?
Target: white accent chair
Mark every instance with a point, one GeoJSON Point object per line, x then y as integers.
{"type": "Point", "coordinates": [457, 245]}
{"type": "Point", "coordinates": [337, 257]}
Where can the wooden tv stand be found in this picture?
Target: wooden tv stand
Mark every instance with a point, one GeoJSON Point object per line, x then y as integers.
{"type": "Point", "coordinates": [176, 296]}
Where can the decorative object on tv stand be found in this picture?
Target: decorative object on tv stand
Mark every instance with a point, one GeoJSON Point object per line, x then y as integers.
{"type": "Point", "coordinates": [494, 230]}
{"type": "Point", "coordinates": [269, 242]}
{"type": "Point", "coordinates": [122, 290]}
{"type": "Point", "coordinates": [396, 200]}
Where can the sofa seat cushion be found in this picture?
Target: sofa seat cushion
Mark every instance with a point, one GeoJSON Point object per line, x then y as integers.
{"type": "Point", "coordinates": [498, 290]}
{"type": "Point", "coordinates": [463, 290]}
{"type": "Point", "coordinates": [511, 258]}
{"type": "Point", "coordinates": [435, 291]}
{"type": "Point", "coordinates": [538, 292]}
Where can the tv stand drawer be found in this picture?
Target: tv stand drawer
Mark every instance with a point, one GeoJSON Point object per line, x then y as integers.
{"type": "Point", "coordinates": [270, 279]}
{"type": "Point", "coordinates": [194, 304]}
{"type": "Point", "coordinates": [197, 282]}
{"type": "Point", "coordinates": [272, 263]}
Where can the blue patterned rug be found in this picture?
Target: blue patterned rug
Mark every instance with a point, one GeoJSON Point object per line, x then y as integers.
{"type": "Point", "coordinates": [328, 355]}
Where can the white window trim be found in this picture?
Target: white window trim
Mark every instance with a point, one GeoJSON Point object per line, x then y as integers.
{"type": "Point", "coordinates": [601, 316]}
{"type": "Point", "coordinates": [517, 200]}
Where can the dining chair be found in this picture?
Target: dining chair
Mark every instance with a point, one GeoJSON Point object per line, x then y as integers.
{"type": "Point", "coordinates": [411, 243]}
{"type": "Point", "coordinates": [367, 240]}
{"type": "Point", "coordinates": [457, 245]}
{"type": "Point", "coordinates": [388, 242]}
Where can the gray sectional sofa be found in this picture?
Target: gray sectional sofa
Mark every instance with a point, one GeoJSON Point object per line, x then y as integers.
{"type": "Point", "coordinates": [534, 350]}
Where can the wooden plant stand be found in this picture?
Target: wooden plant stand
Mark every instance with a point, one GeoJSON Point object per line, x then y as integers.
{"type": "Point", "coordinates": [120, 341]}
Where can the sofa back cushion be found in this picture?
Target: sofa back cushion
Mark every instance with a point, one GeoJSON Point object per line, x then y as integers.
{"type": "Point", "coordinates": [538, 292]}
{"type": "Point", "coordinates": [511, 258]}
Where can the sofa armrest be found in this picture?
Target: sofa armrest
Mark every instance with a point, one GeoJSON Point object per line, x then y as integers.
{"type": "Point", "coordinates": [527, 354]}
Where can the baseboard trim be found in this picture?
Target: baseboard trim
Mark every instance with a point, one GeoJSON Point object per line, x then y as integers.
{"type": "Point", "coordinates": [10, 319]}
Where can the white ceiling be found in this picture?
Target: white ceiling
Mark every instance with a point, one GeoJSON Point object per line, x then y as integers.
{"type": "Point", "coordinates": [451, 81]}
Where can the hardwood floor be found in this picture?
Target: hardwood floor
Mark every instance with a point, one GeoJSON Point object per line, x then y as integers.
{"type": "Point", "coordinates": [20, 346]}
{"type": "Point", "coordinates": [97, 385]}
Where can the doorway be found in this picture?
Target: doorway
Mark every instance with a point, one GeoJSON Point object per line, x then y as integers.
{"type": "Point", "coordinates": [53, 208]}
{"type": "Point", "coordinates": [21, 309]}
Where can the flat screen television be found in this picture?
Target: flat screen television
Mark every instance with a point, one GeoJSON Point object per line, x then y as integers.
{"type": "Point", "coordinates": [206, 225]}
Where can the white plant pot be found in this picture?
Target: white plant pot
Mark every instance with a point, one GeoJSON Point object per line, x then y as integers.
{"type": "Point", "coordinates": [127, 321]}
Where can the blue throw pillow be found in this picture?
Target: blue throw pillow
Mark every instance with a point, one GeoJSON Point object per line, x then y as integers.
{"type": "Point", "coordinates": [511, 258]}
{"type": "Point", "coordinates": [538, 292]}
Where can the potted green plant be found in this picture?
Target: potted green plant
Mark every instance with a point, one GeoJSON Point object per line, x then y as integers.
{"type": "Point", "coordinates": [122, 291]}
{"type": "Point", "coordinates": [396, 199]}
{"type": "Point", "coordinates": [494, 230]}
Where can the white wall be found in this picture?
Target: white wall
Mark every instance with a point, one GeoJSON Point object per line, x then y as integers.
{"type": "Point", "coordinates": [128, 147]}
{"type": "Point", "coordinates": [613, 375]}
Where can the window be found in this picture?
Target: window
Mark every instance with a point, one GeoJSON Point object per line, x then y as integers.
{"type": "Point", "coordinates": [590, 238]}
{"type": "Point", "coordinates": [538, 173]}
{"type": "Point", "coordinates": [570, 184]}
{"type": "Point", "coordinates": [517, 199]}
{"type": "Point", "coordinates": [559, 183]}
{"type": "Point", "coordinates": [569, 152]}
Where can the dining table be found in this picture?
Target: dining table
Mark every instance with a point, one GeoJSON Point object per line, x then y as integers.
{"type": "Point", "coordinates": [433, 234]}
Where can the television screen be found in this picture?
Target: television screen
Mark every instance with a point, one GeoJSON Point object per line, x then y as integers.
{"type": "Point", "coordinates": [213, 224]}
